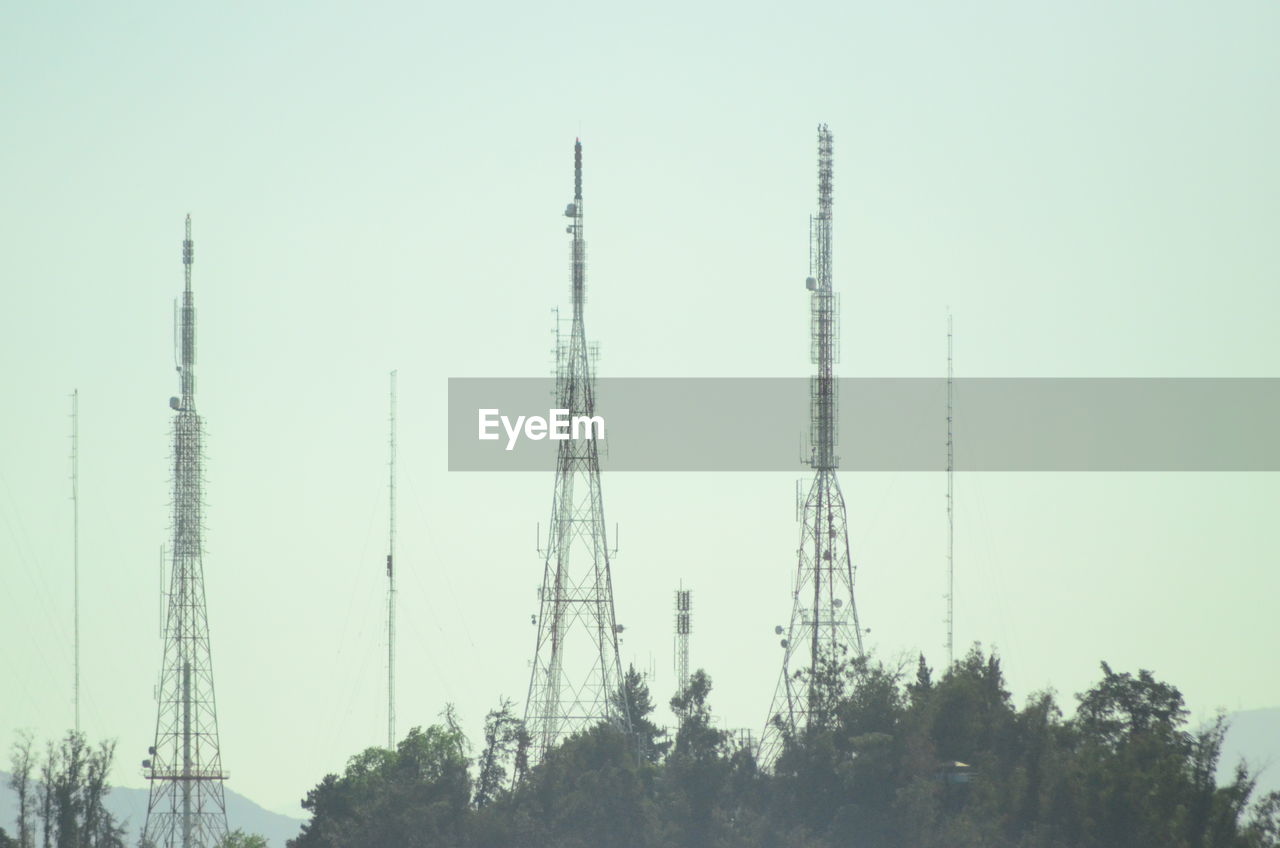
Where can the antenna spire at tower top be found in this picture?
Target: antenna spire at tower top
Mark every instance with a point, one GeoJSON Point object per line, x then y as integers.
{"type": "Point", "coordinates": [187, 351]}
{"type": "Point", "coordinates": [577, 170]}
{"type": "Point", "coordinates": [579, 254]}
{"type": "Point", "coordinates": [188, 252]}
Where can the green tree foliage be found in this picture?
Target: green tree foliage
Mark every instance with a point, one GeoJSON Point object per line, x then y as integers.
{"type": "Point", "coordinates": [590, 791]}
{"type": "Point", "coordinates": [504, 736]}
{"type": "Point", "coordinates": [635, 699]}
{"type": "Point", "coordinates": [239, 839]}
{"type": "Point", "coordinates": [890, 759]}
{"type": "Point", "coordinates": [22, 762]}
{"type": "Point", "coordinates": [64, 792]}
{"type": "Point", "coordinates": [696, 775]}
{"type": "Point", "coordinates": [416, 795]}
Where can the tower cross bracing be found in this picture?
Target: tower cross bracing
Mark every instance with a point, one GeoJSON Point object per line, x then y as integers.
{"type": "Point", "coordinates": [576, 669]}
{"type": "Point", "coordinates": [824, 625]}
{"type": "Point", "coordinates": [186, 807]}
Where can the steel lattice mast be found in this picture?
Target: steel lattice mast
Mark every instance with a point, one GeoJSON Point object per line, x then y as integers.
{"type": "Point", "coordinates": [576, 666]}
{"type": "Point", "coordinates": [684, 627]}
{"type": "Point", "coordinates": [824, 619]}
{"type": "Point", "coordinates": [186, 807]}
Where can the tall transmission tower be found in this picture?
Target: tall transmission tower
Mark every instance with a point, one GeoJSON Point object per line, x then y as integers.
{"type": "Point", "coordinates": [186, 808]}
{"type": "Point", "coordinates": [951, 508]}
{"type": "Point", "coordinates": [684, 626]}
{"type": "Point", "coordinates": [391, 581]}
{"type": "Point", "coordinates": [576, 667]}
{"type": "Point", "coordinates": [824, 619]}
{"type": "Point", "coordinates": [75, 540]}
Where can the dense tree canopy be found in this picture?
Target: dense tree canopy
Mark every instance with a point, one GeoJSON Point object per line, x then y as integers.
{"type": "Point", "coordinates": [890, 760]}
{"type": "Point", "coordinates": [416, 795]}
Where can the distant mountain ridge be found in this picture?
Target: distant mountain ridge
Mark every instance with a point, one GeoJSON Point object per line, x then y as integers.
{"type": "Point", "coordinates": [129, 806]}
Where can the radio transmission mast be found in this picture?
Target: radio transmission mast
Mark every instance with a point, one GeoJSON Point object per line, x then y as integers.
{"type": "Point", "coordinates": [951, 509]}
{"type": "Point", "coordinates": [391, 583]}
{"type": "Point", "coordinates": [824, 619]}
{"type": "Point", "coordinates": [186, 808]}
{"type": "Point", "coordinates": [684, 626]}
{"type": "Point", "coordinates": [576, 666]}
{"type": "Point", "coordinates": [75, 540]}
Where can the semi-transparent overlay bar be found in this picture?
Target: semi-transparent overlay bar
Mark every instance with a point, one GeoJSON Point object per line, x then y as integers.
{"type": "Point", "coordinates": [746, 424]}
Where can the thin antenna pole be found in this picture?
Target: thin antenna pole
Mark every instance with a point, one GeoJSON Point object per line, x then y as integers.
{"type": "Point", "coordinates": [75, 539]}
{"type": "Point", "coordinates": [951, 512]}
{"type": "Point", "coordinates": [391, 582]}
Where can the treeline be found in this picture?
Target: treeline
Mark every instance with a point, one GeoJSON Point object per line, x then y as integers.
{"type": "Point", "coordinates": [60, 793]}
{"type": "Point", "coordinates": [892, 758]}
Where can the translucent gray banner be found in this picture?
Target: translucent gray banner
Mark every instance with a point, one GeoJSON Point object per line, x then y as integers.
{"type": "Point", "coordinates": [715, 424]}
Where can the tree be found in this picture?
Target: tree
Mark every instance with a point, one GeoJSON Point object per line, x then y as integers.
{"type": "Point", "coordinates": [68, 797]}
{"type": "Point", "coordinates": [589, 791]}
{"type": "Point", "coordinates": [239, 839]}
{"type": "Point", "coordinates": [698, 768]}
{"type": "Point", "coordinates": [635, 699]}
{"type": "Point", "coordinates": [1122, 706]}
{"type": "Point", "coordinates": [503, 734]}
{"type": "Point", "coordinates": [1263, 830]}
{"type": "Point", "coordinates": [21, 763]}
{"type": "Point", "coordinates": [416, 795]}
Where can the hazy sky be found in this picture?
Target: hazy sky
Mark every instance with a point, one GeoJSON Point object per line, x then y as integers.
{"type": "Point", "coordinates": [1091, 187]}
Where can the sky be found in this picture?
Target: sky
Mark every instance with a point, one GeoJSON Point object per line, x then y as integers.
{"type": "Point", "coordinates": [1090, 188]}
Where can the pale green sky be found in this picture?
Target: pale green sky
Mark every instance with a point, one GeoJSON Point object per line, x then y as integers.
{"type": "Point", "coordinates": [1092, 187]}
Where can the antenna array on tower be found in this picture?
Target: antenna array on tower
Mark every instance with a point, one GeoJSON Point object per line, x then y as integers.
{"type": "Point", "coordinates": [684, 627]}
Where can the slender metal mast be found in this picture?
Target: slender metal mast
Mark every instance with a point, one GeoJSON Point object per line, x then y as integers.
{"type": "Point", "coordinates": [576, 665]}
{"type": "Point", "coordinates": [186, 807]}
{"type": "Point", "coordinates": [951, 519]}
{"type": "Point", "coordinates": [824, 624]}
{"type": "Point", "coordinates": [391, 582]}
{"type": "Point", "coordinates": [75, 538]}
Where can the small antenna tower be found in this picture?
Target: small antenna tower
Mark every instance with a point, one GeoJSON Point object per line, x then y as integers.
{"type": "Point", "coordinates": [824, 619]}
{"type": "Point", "coordinates": [951, 516]}
{"type": "Point", "coordinates": [684, 626]}
{"type": "Point", "coordinates": [75, 538]}
{"type": "Point", "coordinates": [186, 807]}
{"type": "Point", "coordinates": [576, 665]}
{"type": "Point", "coordinates": [391, 582]}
